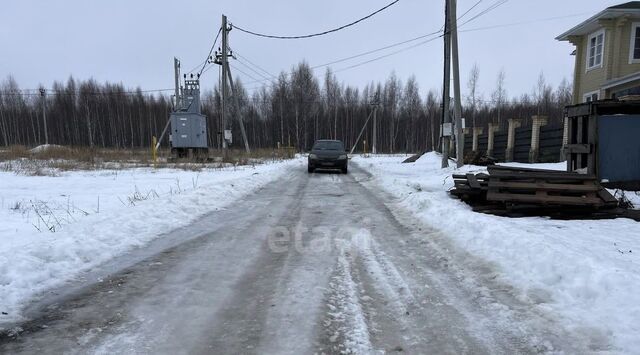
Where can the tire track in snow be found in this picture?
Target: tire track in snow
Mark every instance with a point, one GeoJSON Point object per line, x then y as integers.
{"type": "Point", "coordinates": [393, 308]}
{"type": "Point", "coordinates": [345, 322]}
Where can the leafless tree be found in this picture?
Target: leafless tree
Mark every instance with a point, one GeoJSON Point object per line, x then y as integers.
{"type": "Point", "coordinates": [472, 85]}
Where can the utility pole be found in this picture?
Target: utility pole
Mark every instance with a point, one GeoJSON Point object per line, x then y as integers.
{"type": "Point", "coordinates": [222, 59]}
{"type": "Point", "coordinates": [456, 85]}
{"type": "Point", "coordinates": [446, 119]}
{"type": "Point", "coordinates": [224, 83]}
{"type": "Point", "coordinates": [374, 138]}
{"type": "Point", "coordinates": [44, 114]}
{"type": "Point", "coordinates": [176, 71]}
{"type": "Point", "coordinates": [237, 102]}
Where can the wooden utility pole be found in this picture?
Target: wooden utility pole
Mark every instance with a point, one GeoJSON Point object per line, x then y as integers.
{"type": "Point", "coordinates": [456, 85]}
{"type": "Point", "coordinates": [446, 119]}
{"type": "Point", "coordinates": [43, 93]}
{"type": "Point", "coordinates": [224, 82]}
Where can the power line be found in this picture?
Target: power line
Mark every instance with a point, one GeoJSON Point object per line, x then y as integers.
{"type": "Point", "coordinates": [364, 53]}
{"type": "Point", "coordinates": [243, 72]}
{"type": "Point", "coordinates": [197, 66]}
{"type": "Point", "coordinates": [490, 8]}
{"type": "Point", "coordinates": [319, 33]}
{"type": "Point", "coordinates": [253, 70]}
{"type": "Point", "coordinates": [470, 9]}
{"type": "Point", "coordinates": [210, 51]}
{"type": "Point", "coordinates": [524, 22]}
{"type": "Point", "coordinates": [376, 50]}
{"type": "Point", "coordinates": [487, 10]}
{"type": "Point", "coordinates": [252, 63]}
{"type": "Point", "coordinates": [389, 54]}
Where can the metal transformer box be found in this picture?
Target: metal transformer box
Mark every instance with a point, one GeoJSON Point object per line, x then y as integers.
{"type": "Point", "coordinates": [188, 130]}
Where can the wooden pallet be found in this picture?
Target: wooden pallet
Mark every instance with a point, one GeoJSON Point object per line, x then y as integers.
{"type": "Point", "coordinates": [470, 186]}
{"type": "Point", "coordinates": [545, 187]}
{"type": "Point", "coordinates": [517, 192]}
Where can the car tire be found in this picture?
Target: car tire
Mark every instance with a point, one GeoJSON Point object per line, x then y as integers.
{"type": "Point", "coordinates": [310, 169]}
{"type": "Point", "coordinates": [345, 170]}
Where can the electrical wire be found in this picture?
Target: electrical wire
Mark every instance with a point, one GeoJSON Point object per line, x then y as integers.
{"type": "Point", "coordinates": [469, 10]}
{"type": "Point", "coordinates": [243, 72]}
{"type": "Point", "coordinates": [365, 53]}
{"type": "Point", "coordinates": [210, 51]}
{"type": "Point", "coordinates": [490, 8]}
{"type": "Point", "coordinates": [253, 70]}
{"type": "Point", "coordinates": [319, 33]}
{"type": "Point", "coordinates": [485, 11]}
{"type": "Point", "coordinates": [197, 66]}
{"type": "Point", "coordinates": [389, 54]}
{"type": "Point", "coordinates": [252, 63]}
{"type": "Point", "coordinates": [524, 22]}
{"type": "Point", "coordinates": [272, 77]}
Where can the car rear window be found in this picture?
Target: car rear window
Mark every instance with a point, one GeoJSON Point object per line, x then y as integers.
{"type": "Point", "coordinates": [328, 145]}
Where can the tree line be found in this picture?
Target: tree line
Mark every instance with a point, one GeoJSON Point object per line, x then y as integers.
{"type": "Point", "coordinates": [293, 109]}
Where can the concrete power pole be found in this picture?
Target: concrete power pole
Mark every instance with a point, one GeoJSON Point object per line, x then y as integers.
{"type": "Point", "coordinates": [456, 85]}
{"type": "Point", "coordinates": [237, 102]}
{"type": "Point", "coordinates": [176, 72]}
{"type": "Point", "coordinates": [446, 119]}
{"type": "Point", "coordinates": [44, 115]}
{"type": "Point", "coordinates": [223, 59]}
{"type": "Point", "coordinates": [374, 137]}
{"type": "Point", "coordinates": [224, 83]}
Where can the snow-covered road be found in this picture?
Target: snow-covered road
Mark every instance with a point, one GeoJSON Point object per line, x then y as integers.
{"type": "Point", "coordinates": [320, 263]}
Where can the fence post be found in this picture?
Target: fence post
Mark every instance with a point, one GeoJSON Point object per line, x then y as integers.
{"type": "Point", "coordinates": [537, 122]}
{"type": "Point", "coordinates": [511, 138]}
{"type": "Point", "coordinates": [565, 139]}
{"type": "Point", "coordinates": [493, 128]}
{"type": "Point", "coordinates": [477, 131]}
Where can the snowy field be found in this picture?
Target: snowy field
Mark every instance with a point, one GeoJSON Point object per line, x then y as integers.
{"type": "Point", "coordinates": [588, 272]}
{"type": "Point", "coordinates": [53, 227]}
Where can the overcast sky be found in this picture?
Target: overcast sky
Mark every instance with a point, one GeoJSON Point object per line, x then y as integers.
{"type": "Point", "coordinates": [134, 42]}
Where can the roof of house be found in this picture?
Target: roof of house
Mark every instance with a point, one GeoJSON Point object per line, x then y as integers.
{"type": "Point", "coordinates": [591, 24]}
{"type": "Point", "coordinates": [627, 5]}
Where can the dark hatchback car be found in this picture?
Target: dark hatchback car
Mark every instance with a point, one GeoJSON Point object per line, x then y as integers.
{"type": "Point", "coordinates": [328, 154]}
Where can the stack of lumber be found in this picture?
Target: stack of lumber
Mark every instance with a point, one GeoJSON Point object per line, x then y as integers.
{"type": "Point", "coordinates": [517, 192]}
{"type": "Point", "coordinates": [479, 158]}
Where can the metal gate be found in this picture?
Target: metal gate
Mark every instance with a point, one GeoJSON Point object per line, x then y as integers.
{"type": "Point", "coordinates": [619, 147]}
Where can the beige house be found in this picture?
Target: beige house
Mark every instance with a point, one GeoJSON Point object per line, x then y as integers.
{"type": "Point", "coordinates": [607, 54]}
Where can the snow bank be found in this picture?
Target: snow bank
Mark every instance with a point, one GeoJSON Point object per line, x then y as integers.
{"type": "Point", "coordinates": [587, 272]}
{"type": "Point", "coordinates": [45, 147]}
{"type": "Point", "coordinates": [52, 228]}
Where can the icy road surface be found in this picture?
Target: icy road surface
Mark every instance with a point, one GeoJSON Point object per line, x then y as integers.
{"type": "Point", "coordinates": [309, 264]}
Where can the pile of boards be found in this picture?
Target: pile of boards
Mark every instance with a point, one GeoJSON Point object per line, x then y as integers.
{"type": "Point", "coordinates": [519, 192]}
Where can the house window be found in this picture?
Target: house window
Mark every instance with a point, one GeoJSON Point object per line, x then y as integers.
{"type": "Point", "coordinates": [595, 49]}
{"type": "Point", "coordinates": [591, 96]}
{"type": "Point", "coordinates": [634, 50]}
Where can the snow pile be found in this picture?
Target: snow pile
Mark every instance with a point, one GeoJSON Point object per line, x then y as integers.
{"type": "Point", "coordinates": [52, 228]}
{"type": "Point", "coordinates": [45, 147]}
{"type": "Point", "coordinates": [588, 272]}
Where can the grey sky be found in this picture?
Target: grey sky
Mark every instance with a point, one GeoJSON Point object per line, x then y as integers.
{"type": "Point", "coordinates": [133, 42]}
